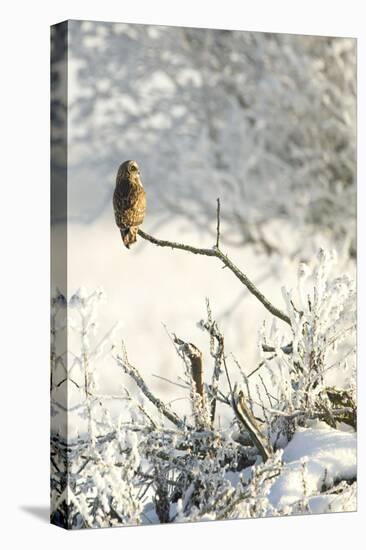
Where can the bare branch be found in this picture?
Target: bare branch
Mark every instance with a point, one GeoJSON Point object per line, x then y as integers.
{"type": "Point", "coordinates": [218, 224]}
{"type": "Point", "coordinates": [246, 418]}
{"type": "Point", "coordinates": [216, 252]}
{"type": "Point", "coordinates": [192, 357]}
{"type": "Point", "coordinates": [261, 364]}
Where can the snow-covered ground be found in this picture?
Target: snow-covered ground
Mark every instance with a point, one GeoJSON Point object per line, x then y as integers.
{"type": "Point", "coordinates": [318, 475]}
{"type": "Point", "coordinates": [315, 459]}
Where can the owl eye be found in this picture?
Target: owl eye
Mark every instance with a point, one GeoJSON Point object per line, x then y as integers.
{"type": "Point", "coordinates": [133, 168]}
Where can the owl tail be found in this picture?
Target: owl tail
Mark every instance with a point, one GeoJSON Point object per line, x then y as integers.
{"type": "Point", "coordinates": [129, 235]}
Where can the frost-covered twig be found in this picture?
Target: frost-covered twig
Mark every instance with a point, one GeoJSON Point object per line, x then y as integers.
{"type": "Point", "coordinates": [136, 376]}
{"type": "Point", "coordinates": [217, 352]}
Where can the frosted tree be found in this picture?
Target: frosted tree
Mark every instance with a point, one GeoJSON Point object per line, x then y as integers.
{"type": "Point", "coordinates": [266, 120]}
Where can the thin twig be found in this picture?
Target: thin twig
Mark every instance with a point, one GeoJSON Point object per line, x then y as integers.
{"type": "Point", "coordinates": [217, 353]}
{"type": "Point", "coordinates": [288, 349]}
{"type": "Point", "coordinates": [218, 224]}
{"type": "Point", "coordinates": [136, 376]}
{"type": "Point", "coordinates": [141, 409]}
{"type": "Point", "coordinates": [269, 396]}
{"type": "Point", "coordinates": [184, 387]}
{"type": "Point", "coordinates": [246, 381]}
{"type": "Point", "coordinates": [261, 364]}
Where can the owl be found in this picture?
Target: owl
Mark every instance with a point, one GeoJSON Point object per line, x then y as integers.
{"type": "Point", "coordinates": [129, 201]}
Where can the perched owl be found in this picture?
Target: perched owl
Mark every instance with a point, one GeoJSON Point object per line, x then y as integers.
{"type": "Point", "coordinates": [129, 201]}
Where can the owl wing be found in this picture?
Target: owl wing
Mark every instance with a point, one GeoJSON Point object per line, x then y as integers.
{"type": "Point", "coordinates": [137, 211]}
{"type": "Point", "coordinates": [129, 204]}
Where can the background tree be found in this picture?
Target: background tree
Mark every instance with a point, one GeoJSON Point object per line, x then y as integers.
{"type": "Point", "coordinates": [265, 120]}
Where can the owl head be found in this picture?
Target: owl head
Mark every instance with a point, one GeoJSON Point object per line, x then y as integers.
{"type": "Point", "coordinates": [129, 169]}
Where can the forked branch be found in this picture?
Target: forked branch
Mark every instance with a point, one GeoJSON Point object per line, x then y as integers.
{"type": "Point", "coordinates": [216, 252]}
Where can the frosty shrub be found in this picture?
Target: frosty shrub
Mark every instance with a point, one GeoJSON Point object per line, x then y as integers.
{"type": "Point", "coordinates": [323, 326]}
{"type": "Point", "coordinates": [248, 439]}
{"type": "Point", "coordinates": [93, 475]}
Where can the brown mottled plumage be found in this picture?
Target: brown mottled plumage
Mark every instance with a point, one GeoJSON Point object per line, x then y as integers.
{"type": "Point", "coordinates": [129, 201]}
